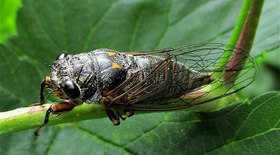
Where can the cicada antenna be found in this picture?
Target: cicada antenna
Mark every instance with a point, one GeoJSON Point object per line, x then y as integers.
{"type": "Point", "coordinates": [42, 61]}
{"type": "Point", "coordinates": [46, 64]}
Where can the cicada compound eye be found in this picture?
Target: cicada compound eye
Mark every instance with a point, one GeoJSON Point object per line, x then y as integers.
{"type": "Point", "coordinates": [71, 89]}
{"type": "Point", "coordinates": [61, 56]}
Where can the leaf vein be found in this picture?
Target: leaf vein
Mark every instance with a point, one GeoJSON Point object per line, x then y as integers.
{"type": "Point", "coordinates": [42, 28]}
{"type": "Point", "coordinates": [248, 138]}
{"type": "Point", "coordinates": [165, 28]}
{"type": "Point", "coordinates": [94, 26]}
{"type": "Point", "coordinates": [105, 140]}
{"type": "Point", "coordinates": [136, 28]}
{"type": "Point", "coordinates": [251, 112]}
{"type": "Point", "coordinates": [145, 133]}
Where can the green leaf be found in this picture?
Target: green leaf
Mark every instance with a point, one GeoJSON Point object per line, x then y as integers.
{"type": "Point", "coordinates": [47, 28]}
{"type": "Point", "coordinates": [272, 58]}
{"type": "Point", "coordinates": [8, 18]}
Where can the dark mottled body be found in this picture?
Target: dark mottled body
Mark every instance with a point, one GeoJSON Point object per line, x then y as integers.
{"type": "Point", "coordinates": [104, 69]}
{"type": "Point", "coordinates": [165, 79]}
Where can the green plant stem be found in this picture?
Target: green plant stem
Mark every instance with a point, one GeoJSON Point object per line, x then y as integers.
{"type": "Point", "coordinates": [249, 29]}
{"type": "Point", "coordinates": [240, 22]}
{"type": "Point", "coordinates": [33, 116]}
{"type": "Point", "coordinates": [245, 40]}
{"type": "Point", "coordinates": [237, 30]}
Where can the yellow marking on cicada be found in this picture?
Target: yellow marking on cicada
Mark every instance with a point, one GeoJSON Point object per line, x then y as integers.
{"type": "Point", "coordinates": [111, 53]}
{"type": "Point", "coordinates": [116, 66]}
{"type": "Point", "coordinates": [48, 79]}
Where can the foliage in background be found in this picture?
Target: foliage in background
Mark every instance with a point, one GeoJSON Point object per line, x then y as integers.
{"type": "Point", "coordinates": [46, 28]}
{"type": "Point", "coordinates": [8, 18]}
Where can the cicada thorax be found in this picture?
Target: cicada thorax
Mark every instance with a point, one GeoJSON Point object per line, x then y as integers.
{"type": "Point", "coordinates": [105, 70]}
{"type": "Point", "coordinates": [113, 67]}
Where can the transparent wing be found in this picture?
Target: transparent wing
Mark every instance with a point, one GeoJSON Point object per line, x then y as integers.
{"type": "Point", "coordinates": [213, 59]}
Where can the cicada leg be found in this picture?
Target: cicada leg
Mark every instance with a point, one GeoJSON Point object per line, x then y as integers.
{"type": "Point", "coordinates": [55, 109]}
{"type": "Point", "coordinates": [115, 115]}
{"type": "Point", "coordinates": [43, 85]}
{"type": "Point", "coordinates": [128, 112]}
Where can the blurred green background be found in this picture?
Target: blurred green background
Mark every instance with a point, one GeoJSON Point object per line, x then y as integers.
{"type": "Point", "coordinates": [31, 31]}
{"type": "Point", "coordinates": [8, 12]}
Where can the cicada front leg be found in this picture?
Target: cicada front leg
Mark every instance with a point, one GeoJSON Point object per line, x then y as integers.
{"type": "Point", "coordinates": [43, 85]}
{"type": "Point", "coordinates": [55, 109]}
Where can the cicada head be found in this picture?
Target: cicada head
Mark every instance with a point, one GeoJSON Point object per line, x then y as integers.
{"type": "Point", "coordinates": [61, 80]}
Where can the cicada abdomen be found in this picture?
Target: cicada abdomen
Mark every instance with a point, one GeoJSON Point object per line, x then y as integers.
{"type": "Point", "coordinates": [184, 77]}
{"type": "Point", "coordinates": [161, 79]}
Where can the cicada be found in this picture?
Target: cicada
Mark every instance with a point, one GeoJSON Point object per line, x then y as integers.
{"type": "Point", "coordinates": [167, 79]}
